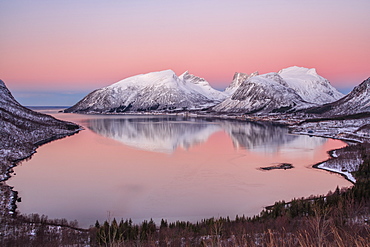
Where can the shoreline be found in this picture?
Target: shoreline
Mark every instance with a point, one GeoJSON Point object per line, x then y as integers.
{"type": "Point", "coordinates": [14, 163]}
{"type": "Point", "coordinates": [10, 203]}
{"type": "Point", "coordinates": [332, 155]}
{"type": "Point", "coordinates": [292, 124]}
{"type": "Point", "coordinates": [344, 175]}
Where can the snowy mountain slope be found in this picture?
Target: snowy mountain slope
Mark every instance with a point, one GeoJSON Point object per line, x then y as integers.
{"type": "Point", "coordinates": [357, 101]}
{"type": "Point", "coordinates": [22, 129]}
{"type": "Point", "coordinates": [158, 91]}
{"type": "Point", "coordinates": [288, 90]}
{"type": "Point", "coordinates": [201, 85]}
{"type": "Point", "coordinates": [238, 79]}
{"type": "Point", "coordinates": [309, 85]}
{"type": "Point", "coordinates": [264, 94]}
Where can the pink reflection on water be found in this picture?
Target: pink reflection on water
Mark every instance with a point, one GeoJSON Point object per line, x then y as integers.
{"type": "Point", "coordinates": [86, 176]}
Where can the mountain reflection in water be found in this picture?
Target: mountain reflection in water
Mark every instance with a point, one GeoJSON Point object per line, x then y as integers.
{"type": "Point", "coordinates": [213, 169]}
{"type": "Point", "coordinates": [166, 134]}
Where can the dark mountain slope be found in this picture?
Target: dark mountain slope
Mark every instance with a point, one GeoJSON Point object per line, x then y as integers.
{"type": "Point", "coordinates": [356, 102]}
{"type": "Point", "coordinates": [23, 130]}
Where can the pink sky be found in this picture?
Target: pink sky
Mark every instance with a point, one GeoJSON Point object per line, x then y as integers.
{"type": "Point", "coordinates": [83, 45]}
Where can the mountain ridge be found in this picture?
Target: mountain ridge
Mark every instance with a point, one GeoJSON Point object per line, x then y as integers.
{"type": "Point", "coordinates": [291, 89]}
{"type": "Point", "coordinates": [265, 93]}
{"type": "Point", "coordinates": [159, 91]}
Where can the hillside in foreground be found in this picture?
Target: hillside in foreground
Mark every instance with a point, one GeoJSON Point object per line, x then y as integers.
{"type": "Point", "coordinates": [23, 130]}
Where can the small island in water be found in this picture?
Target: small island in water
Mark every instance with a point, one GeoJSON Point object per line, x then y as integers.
{"type": "Point", "coordinates": [280, 166]}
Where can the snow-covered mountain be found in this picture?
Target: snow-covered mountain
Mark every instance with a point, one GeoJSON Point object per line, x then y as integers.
{"type": "Point", "coordinates": [263, 94]}
{"type": "Point", "coordinates": [22, 129]}
{"type": "Point", "coordinates": [159, 91]}
{"type": "Point", "coordinates": [357, 101]}
{"type": "Point", "coordinates": [309, 85]}
{"type": "Point", "coordinates": [288, 90]}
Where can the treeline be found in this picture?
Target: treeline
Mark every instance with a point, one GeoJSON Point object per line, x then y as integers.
{"type": "Point", "coordinates": [337, 219]}
{"type": "Point", "coordinates": [340, 201]}
{"type": "Point", "coordinates": [324, 221]}
{"type": "Point", "coordinates": [35, 230]}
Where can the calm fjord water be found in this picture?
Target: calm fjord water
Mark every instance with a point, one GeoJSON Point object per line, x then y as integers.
{"type": "Point", "coordinates": [143, 167]}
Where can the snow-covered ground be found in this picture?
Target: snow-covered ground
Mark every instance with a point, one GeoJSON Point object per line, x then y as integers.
{"type": "Point", "coordinates": [339, 170]}
{"type": "Point", "coordinates": [349, 130]}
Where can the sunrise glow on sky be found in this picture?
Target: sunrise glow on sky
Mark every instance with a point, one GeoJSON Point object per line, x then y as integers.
{"type": "Point", "coordinates": [61, 50]}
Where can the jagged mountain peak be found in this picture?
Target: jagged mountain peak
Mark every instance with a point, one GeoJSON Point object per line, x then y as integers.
{"type": "Point", "coordinates": [201, 85]}
{"type": "Point", "coordinates": [364, 87]}
{"type": "Point", "coordinates": [6, 95]}
{"type": "Point", "coordinates": [193, 79]}
{"type": "Point", "coordinates": [238, 79]}
{"type": "Point", "coordinates": [263, 94]}
{"type": "Point", "coordinates": [290, 89]}
{"type": "Point", "coordinates": [238, 75]}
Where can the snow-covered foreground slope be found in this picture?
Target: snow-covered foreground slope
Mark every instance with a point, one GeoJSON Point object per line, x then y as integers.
{"type": "Point", "coordinates": [347, 160]}
{"type": "Point", "coordinates": [156, 91]}
{"type": "Point", "coordinates": [22, 130]}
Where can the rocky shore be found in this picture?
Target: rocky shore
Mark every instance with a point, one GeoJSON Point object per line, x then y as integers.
{"type": "Point", "coordinates": [22, 131]}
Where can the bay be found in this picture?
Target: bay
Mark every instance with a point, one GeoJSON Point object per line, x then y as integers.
{"type": "Point", "coordinates": [175, 168]}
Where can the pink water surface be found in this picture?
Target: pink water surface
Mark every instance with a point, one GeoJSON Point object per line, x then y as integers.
{"type": "Point", "coordinates": [90, 177]}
